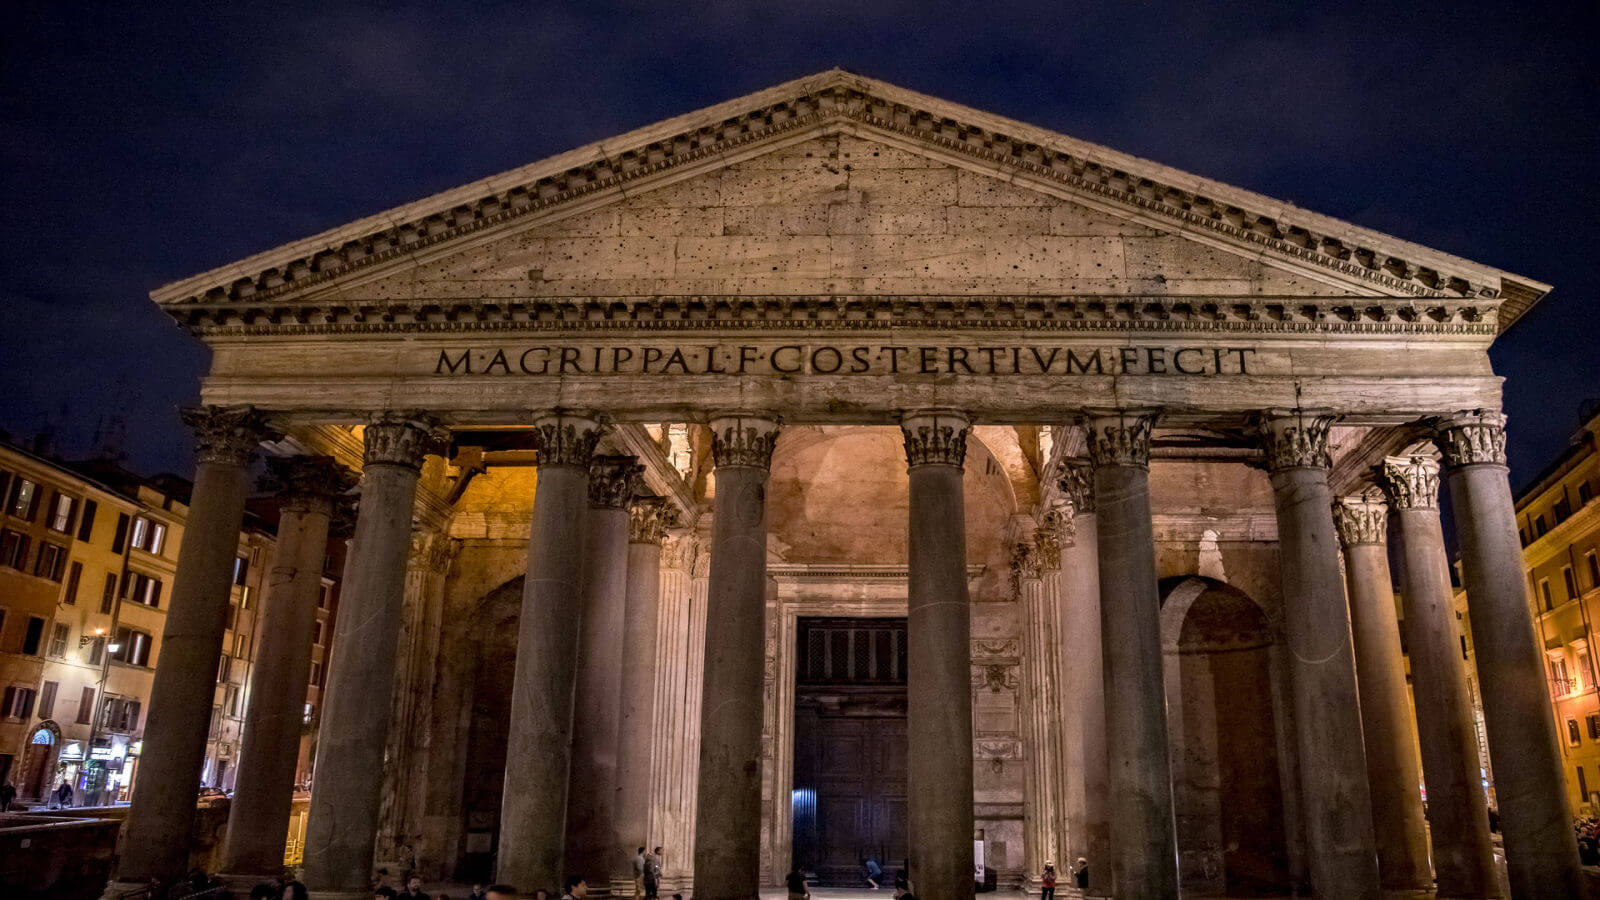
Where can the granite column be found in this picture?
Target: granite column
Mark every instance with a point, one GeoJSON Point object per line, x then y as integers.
{"type": "Point", "coordinates": [727, 853]}
{"type": "Point", "coordinates": [1458, 814]}
{"type": "Point", "coordinates": [533, 808]}
{"type": "Point", "coordinates": [1541, 849]}
{"type": "Point", "coordinates": [602, 612]}
{"type": "Point", "coordinates": [938, 658]}
{"type": "Point", "coordinates": [1089, 829]}
{"type": "Point", "coordinates": [155, 838]}
{"type": "Point", "coordinates": [1388, 732]}
{"type": "Point", "coordinates": [258, 818]}
{"type": "Point", "coordinates": [1144, 848]}
{"type": "Point", "coordinates": [343, 822]}
{"type": "Point", "coordinates": [1327, 710]}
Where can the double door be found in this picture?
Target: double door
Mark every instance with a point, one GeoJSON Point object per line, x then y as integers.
{"type": "Point", "coordinates": [858, 782]}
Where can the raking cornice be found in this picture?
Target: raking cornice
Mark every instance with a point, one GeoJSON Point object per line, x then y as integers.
{"type": "Point", "coordinates": [837, 99]}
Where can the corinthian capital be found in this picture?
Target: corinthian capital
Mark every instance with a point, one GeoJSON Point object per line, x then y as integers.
{"type": "Point", "coordinates": [1119, 437]}
{"type": "Point", "coordinates": [227, 435]}
{"type": "Point", "coordinates": [1471, 437]}
{"type": "Point", "coordinates": [650, 519]}
{"type": "Point", "coordinates": [743, 439]}
{"type": "Point", "coordinates": [935, 438]}
{"type": "Point", "coordinates": [613, 480]}
{"type": "Point", "coordinates": [1296, 440]}
{"type": "Point", "coordinates": [1361, 519]}
{"type": "Point", "coordinates": [306, 481]}
{"type": "Point", "coordinates": [402, 439]}
{"type": "Point", "coordinates": [1411, 482]}
{"type": "Point", "coordinates": [1054, 531]}
{"type": "Point", "coordinates": [1076, 480]}
{"type": "Point", "coordinates": [566, 439]}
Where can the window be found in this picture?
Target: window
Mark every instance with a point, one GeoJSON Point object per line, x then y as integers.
{"type": "Point", "coordinates": [1593, 720]}
{"type": "Point", "coordinates": [1522, 535]}
{"type": "Point", "coordinates": [1571, 582]}
{"type": "Point", "coordinates": [306, 713]}
{"type": "Point", "coordinates": [24, 499]}
{"type": "Point", "coordinates": [120, 714]}
{"type": "Point", "coordinates": [230, 701]}
{"type": "Point", "coordinates": [1544, 594]}
{"type": "Point", "coordinates": [1560, 683]}
{"type": "Point", "coordinates": [97, 649]}
{"type": "Point", "coordinates": [85, 706]}
{"type": "Point", "coordinates": [233, 615]}
{"type": "Point", "coordinates": [86, 524]}
{"type": "Point", "coordinates": [142, 589]}
{"type": "Point", "coordinates": [1584, 673]}
{"type": "Point", "coordinates": [241, 569]}
{"type": "Point", "coordinates": [109, 596]}
{"type": "Point", "coordinates": [1562, 510]}
{"type": "Point", "coordinates": [244, 597]}
{"type": "Point", "coordinates": [241, 646]}
{"type": "Point", "coordinates": [121, 535]}
{"type": "Point", "coordinates": [1585, 493]}
{"type": "Point", "coordinates": [148, 535]}
{"type": "Point", "coordinates": [316, 673]}
{"type": "Point", "coordinates": [13, 549]}
{"type": "Point", "coordinates": [224, 669]}
{"type": "Point", "coordinates": [58, 640]}
{"type": "Point", "coordinates": [1539, 528]}
{"type": "Point", "coordinates": [52, 562]}
{"type": "Point", "coordinates": [69, 597]}
{"type": "Point", "coordinates": [62, 513]}
{"type": "Point", "coordinates": [1572, 732]}
{"type": "Point", "coordinates": [316, 633]}
{"type": "Point", "coordinates": [132, 646]}
{"type": "Point", "coordinates": [1593, 562]}
{"type": "Point", "coordinates": [47, 699]}
{"type": "Point", "coordinates": [33, 637]}
{"type": "Point", "coordinates": [325, 596]}
{"type": "Point", "coordinates": [17, 702]}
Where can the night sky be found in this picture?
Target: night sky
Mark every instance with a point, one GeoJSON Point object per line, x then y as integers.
{"type": "Point", "coordinates": [143, 146]}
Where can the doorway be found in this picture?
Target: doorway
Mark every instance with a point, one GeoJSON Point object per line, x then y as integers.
{"type": "Point", "coordinates": [849, 789]}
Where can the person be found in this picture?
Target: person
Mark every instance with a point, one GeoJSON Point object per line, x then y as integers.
{"type": "Point", "coordinates": [413, 889]}
{"type": "Point", "coordinates": [576, 888]}
{"type": "Point", "coordinates": [383, 891]}
{"type": "Point", "coordinates": [652, 875]}
{"type": "Point", "coordinates": [505, 892]}
{"type": "Point", "coordinates": [874, 872]}
{"type": "Point", "coordinates": [264, 891]}
{"type": "Point", "coordinates": [8, 794]}
{"type": "Point", "coordinates": [294, 890]}
{"type": "Point", "coordinates": [381, 881]}
{"type": "Point", "coordinates": [541, 894]}
{"type": "Point", "coordinates": [64, 795]}
{"type": "Point", "coordinates": [1080, 873]}
{"type": "Point", "coordinates": [478, 893]}
{"type": "Point", "coordinates": [796, 883]}
{"type": "Point", "coordinates": [1047, 881]}
{"type": "Point", "coordinates": [641, 865]}
{"type": "Point", "coordinates": [902, 883]}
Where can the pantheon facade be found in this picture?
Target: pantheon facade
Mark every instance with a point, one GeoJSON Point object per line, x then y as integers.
{"type": "Point", "coordinates": [841, 473]}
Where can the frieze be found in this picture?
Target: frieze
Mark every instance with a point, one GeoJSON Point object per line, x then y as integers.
{"type": "Point", "coordinates": [998, 648]}
{"type": "Point", "coordinates": [998, 749]}
{"type": "Point", "coordinates": [1411, 482]}
{"type": "Point", "coordinates": [1474, 437]}
{"type": "Point", "coordinates": [853, 100]}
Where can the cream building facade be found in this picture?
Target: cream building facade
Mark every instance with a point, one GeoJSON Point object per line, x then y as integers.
{"type": "Point", "coordinates": [839, 472]}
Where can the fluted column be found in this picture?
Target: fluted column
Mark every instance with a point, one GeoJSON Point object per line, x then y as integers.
{"type": "Point", "coordinates": [1463, 855]}
{"type": "Point", "coordinates": [938, 658]}
{"type": "Point", "coordinates": [258, 818]}
{"type": "Point", "coordinates": [1386, 724]}
{"type": "Point", "coordinates": [155, 840]}
{"type": "Point", "coordinates": [1144, 848]}
{"type": "Point", "coordinates": [592, 787]}
{"type": "Point", "coordinates": [727, 853]}
{"type": "Point", "coordinates": [1541, 850]}
{"type": "Point", "coordinates": [343, 822]}
{"type": "Point", "coordinates": [637, 736]}
{"type": "Point", "coordinates": [1089, 820]}
{"type": "Point", "coordinates": [533, 808]}
{"type": "Point", "coordinates": [1327, 710]}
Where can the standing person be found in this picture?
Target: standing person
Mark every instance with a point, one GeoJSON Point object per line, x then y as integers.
{"type": "Point", "coordinates": [795, 881]}
{"type": "Point", "coordinates": [8, 794]}
{"type": "Point", "coordinates": [1080, 873]}
{"type": "Point", "coordinates": [413, 890]}
{"type": "Point", "coordinates": [641, 865]}
{"type": "Point", "coordinates": [64, 795]}
{"type": "Point", "coordinates": [1047, 881]}
{"type": "Point", "coordinates": [652, 874]}
{"type": "Point", "coordinates": [576, 888]}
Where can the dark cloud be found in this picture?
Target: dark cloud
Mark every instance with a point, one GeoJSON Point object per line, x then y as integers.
{"type": "Point", "coordinates": [146, 144]}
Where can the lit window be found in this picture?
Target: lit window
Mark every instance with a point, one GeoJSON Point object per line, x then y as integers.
{"type": "Point", "coordinates": [24, 498]}
{"type": "Point", "coordinates": [61, 510]}
{"type": "Point", "coordinates": [305, 715]}
{"type": "Point", "coordinates": [52, 561]}
{"type": "Point", "coordinates": [142, 589]}
{"type": "Point", "coordinates": [58, 640]}
{"type": "Point", "coordinates": [1573, 737]}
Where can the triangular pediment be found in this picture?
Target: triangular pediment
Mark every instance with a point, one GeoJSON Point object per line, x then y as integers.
{"type": "Point", "coordinates": [839, 184]}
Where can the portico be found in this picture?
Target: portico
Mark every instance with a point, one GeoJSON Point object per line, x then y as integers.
{"type": "Point", "coordinates": [874, 354]}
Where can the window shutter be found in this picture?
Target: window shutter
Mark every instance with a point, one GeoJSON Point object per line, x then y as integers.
{"type": "Point", "coordinates": [27, 704]}
{"type": "Point", "coordinates": [121, 535]}
{"type": "Point", "coordinates": [155, 594]}
{"type": "Point", "coordinates": [86, 524]}
{"type": "Point", "coordinates": [47, 699]}
{"type": "Point", "coordinates": [86, 706]}
{"type": "Point", "coordinates": [5, 705]}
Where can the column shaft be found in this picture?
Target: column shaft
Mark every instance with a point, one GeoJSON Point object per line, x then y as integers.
{"type": "Point", "coordinates": [1144, 849]}
{"type": "Point", "coordinates": [592, 787]}
{"type": "Point", "coordinates": [1463, 854]}
{"type": "Point", "coordinates": [637, 734]}
{"type": "Point", "coordinates": [258, 818]}
{"type": "Point", "coordinates": [343, 822]}
{"type": "Point", "coordinates": [1090, 837]}
{"type": "Point", "coordinates": [155, 840]}
{"type": "Point", "coordinates": [939, 659]}
{"type": "Point", "coordinates": [1388, 732]}
{"type": "Point", "coordinates": [1541, 850]}
{"type": "Point", "coordinates": [727, 853]}
{"type": "Point", "coordinates": [1333, 767]}
{"type": "Point", "coordinates": [533, 808]}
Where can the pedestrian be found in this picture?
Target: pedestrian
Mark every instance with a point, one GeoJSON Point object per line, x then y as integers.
{"type": "Point", "coordinates": [506, 892]}
{"type": "Point", "coordinates": [478, 893]}
{"type": "Point", "coordinates": [874, 872]}
{"type": "Point", "coordinates": [576, 888]}
{"type": "Point", "coordinates": [264, 891]}
{"type": "Point", "coordinates": [652, 875]}
{"type": "Point", "coordinates": [1080, 873]}
{"type": "Point", "coordinates": [902, 883]}
{"type": "Point", "coordinates": [413, 890]}
{"type": "Point", "coordinates": [641, 865]}
{"type": "Point", "coordinates": [294, 890]}
{"type": "Point", "coordinates": [1047, 881]}
{"type": "Point", "coordinates": [796, 883]}
{"type": "Point", "coordinates": [8, 794]}
{"type": "Point", "coordinates": [64, 795]}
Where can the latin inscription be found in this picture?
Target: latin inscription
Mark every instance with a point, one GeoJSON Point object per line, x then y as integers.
{"type": "Point", "coordinates": [860, 359]}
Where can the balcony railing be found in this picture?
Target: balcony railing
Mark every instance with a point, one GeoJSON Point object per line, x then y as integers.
{"type": "Point", "coordinates": [1561, 687]}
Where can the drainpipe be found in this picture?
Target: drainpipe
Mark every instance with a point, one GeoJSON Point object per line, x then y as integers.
{"type": "Point", "coordinates": [105, 657]}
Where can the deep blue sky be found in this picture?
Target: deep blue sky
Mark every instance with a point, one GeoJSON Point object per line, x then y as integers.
{"type": "Point", "coordinates": [141, 146]}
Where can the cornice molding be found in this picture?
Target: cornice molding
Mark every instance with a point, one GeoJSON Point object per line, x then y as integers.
{"type": "Point", "coordinates": [825, 104]}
